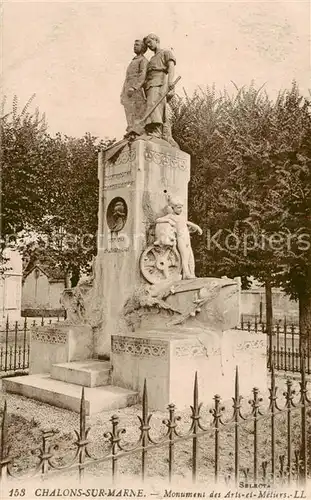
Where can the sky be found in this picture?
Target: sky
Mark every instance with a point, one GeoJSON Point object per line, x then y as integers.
{"type": "Point", "coordinates": [73, 55]}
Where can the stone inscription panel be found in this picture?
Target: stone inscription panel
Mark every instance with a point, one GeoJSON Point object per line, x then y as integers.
{"type": "Point", "coordinates": [119, 173]}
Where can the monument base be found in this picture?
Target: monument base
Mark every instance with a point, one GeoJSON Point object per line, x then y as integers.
{"type": "Point", "coordinates": [61, 364]}
{"type": "Point", "coordinates": [168, 362]}
{"type": "Point", "coordinates": [59, 343]}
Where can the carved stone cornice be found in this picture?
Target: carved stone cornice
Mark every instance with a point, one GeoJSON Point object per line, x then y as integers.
{"type": "Point", "coordinates": [138, 347]}
{"type": "Point", "coordinates": [50, 336]}
{"type": "Point", "coordinates": [165, 159]}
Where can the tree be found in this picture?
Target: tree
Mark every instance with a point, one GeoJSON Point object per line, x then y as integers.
{"type": "Point", "coordinates": [251, 158]}
{"type": "Point", "coordinates": [68, 229]}
{"type": "Point", "coordinates": [294, 188]}
{"type": "Point", "coordinates": [49, 190]}
{"type": "Point", "coordinates": [22, 164]}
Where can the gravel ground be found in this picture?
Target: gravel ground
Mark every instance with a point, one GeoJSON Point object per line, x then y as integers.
{"type": "Point", "coordinates": [28, 418]}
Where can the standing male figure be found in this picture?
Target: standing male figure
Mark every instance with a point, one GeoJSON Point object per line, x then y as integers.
{"type": "Point", "coordinates": [159, 78]}
{"type": "Point", "coordinates": [133, 95]}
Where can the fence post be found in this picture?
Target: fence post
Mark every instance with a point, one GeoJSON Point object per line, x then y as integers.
{"type": "Point", "coordinates": [82, 436]}
{"type": "Point", "coordinates": [46, 453]}
{"type": "Point", "coordinates": [289, 394]}
{"type": "Point", "coordinates": [281, 365]}
{"type": "Point", "coordinates": [11, 356]}
{"type": "Point", "coordinates": [144, 428]}
{"type": "Point", "coordinates": [237, 415]}
{"type": "Point", "coordinates": [270, 348]}
{"type": "Point", "coordinates": [19, 356]}
{"type": "Point", "coordinates": [15, 344]}
{"type": "Point", "coordinates": [278, 345]}
{"type": "Point", "coordinates": [217, 413]}
{"type": "Point", "coordinates": [4, 448]}
{"type": "Point", "coordinates": [255, 403]}
{"type": "Point", "coordinates": [171, 425]}
{"type": "Point", "coordinates": [293, 346]}
{"type": "Point", "coordinates": [272, 409]}
{"type": "Point", "coordinates": [195, 427]}
{"type": "Point", "coordinates": [303, 402]}
{"type": "Point", "coordinates": [24, 343]}
{"type": "Point", "coordinates": [114, 439]}
{"type": "Point", "coordinates": [6, 343]}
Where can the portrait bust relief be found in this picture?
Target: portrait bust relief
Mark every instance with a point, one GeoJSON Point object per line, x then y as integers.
{"type": "Point", "coordinates": [116, 214]}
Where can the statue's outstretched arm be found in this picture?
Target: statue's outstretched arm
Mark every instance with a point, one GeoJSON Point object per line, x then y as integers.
{"type": "Point", "coordinates": [194, 227]}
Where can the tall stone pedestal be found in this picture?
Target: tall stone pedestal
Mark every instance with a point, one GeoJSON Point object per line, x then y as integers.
{"type": "Point", "coordinates": [169, 360]}
{"type": "Point", "coordinates": [140, 178]}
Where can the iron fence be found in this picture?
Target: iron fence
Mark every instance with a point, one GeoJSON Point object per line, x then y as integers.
{"type": "Point", "coordinates": [257, 326]}
{"type": "Point", "coordinates": [15, 344]}
{"type": "Point", "coordinates": [283, 344]}
{"type": "Point", "coordinates": [219, 449]}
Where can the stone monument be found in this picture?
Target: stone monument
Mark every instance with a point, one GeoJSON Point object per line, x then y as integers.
{"type": "Point", "coordinates": [144, 314]}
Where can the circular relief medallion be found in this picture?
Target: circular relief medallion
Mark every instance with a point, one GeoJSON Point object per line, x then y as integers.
{"type": "Point", "coordinates": [116, 214]}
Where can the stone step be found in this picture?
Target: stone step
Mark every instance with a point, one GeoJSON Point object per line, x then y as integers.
{"type": "Point", "coordinates": [64, 395]}
{"type": "Point", "coordinates": [89, 373]}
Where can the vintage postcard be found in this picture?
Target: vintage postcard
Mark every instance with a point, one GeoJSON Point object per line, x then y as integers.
{"type": "Point", "coordinates": [155, 277]}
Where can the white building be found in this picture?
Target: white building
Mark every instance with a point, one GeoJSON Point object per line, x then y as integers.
{"type": "Point", "coordinates": [11, 287]}
{"type": "Point", "coordinates": [43, 284]}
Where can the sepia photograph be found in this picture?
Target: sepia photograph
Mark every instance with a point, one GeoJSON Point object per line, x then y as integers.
{"type": "Point", "coordinates": [155, 265]}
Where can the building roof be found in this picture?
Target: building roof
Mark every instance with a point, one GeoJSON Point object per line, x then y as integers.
{"type": "Point", "coordinates": [49, 268]}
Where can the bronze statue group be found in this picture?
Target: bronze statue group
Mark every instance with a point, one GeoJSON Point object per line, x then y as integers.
{"type": "Point", "coordinates": [146, 84]}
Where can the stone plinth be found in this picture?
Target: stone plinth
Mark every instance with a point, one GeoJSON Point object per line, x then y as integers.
{"type": "Point", "coordinates": [65, 395]}
{"type": "Point", "coordinates": [59, 343]}
{"type": "Point", "coordinates": [251, 358]}
{"type": "Point", "coordinates": [140, 178]}
{"type": "Point", "coordinates": [168, 361]}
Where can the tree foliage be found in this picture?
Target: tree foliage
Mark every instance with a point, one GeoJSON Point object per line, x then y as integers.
{"type": "Point", "coordinates": [49, 190]}
{"type": "Point", "coordinates": [250, 183]}
{"type": "Point", "coordinates": [69, 228]}
{"type": "Point", "coordinates": [22, 164]}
